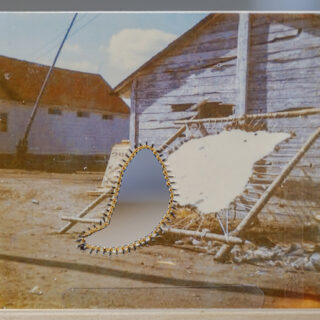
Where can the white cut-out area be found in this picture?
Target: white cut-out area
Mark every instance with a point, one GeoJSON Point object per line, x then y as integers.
{"type": "Point", "coordinates": [211, 171]}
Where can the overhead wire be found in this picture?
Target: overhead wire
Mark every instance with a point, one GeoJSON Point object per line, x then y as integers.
{"type": "Point", "coordinates": [56, 39]}
{"type": "Point", "coordinates": [71, 35]}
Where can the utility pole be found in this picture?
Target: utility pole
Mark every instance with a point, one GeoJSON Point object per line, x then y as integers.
{"type": "Point", "coordinates": [22, 146]}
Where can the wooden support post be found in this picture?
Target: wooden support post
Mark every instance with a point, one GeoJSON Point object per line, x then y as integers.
{"type": "Point", "coordinates": [133, 120]}
{"type": "Point", "coordinates": [210, 236]}
{"type": "Point", "coordinates": [85, 211]}
{"type": "Point", "coordinates": [224, 250]}
{"type": "Point", "coordinates": [243, 62]}
{"type": "Point", "coordinates": [79, 220]}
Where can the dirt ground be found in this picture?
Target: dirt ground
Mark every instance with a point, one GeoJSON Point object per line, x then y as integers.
{"type": "Point", "coordinates": [42, 269]}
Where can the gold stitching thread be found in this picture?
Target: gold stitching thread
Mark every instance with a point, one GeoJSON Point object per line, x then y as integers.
{"type": "Point", "coordinates": [116, 190]}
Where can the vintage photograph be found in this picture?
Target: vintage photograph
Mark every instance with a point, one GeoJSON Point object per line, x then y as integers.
{"type": "Point", "coordinates": [159, 160]}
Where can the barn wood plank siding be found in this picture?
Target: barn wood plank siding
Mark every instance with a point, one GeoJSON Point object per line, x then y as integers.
{"type": "Point", "coordinates": [283, 73]}
{"type": "Point", "coordinates": [204, 68]}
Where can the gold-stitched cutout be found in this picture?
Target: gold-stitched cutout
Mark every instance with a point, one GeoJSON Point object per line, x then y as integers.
{"type": "Point", "coordinates": [84, 245]}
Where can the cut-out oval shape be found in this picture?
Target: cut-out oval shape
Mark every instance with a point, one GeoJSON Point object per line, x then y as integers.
{"type": "Point", "coordinates": [142, 201]}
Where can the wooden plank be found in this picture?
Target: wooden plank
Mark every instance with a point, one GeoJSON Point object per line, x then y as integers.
{"type": "Point", "coordinates": [194, 80]}
{"type": "Point", "coordinates": [204, 235]}
{"type": "Point", "coordinates": [79, 220]}
{"type": "Point", "coordinates": [85, 211]}
{"type": "Point", "coordinates": [277, 105]}
{"type": "Point", "coordinates": [212, 46]}
{"type": "Point", "coordinates": [217, 36]}
{"type": "Point", "coordinates": [292, 44]}
{"type": "Point", "coordinates": [214, 63]}
{"type": "Point", "coordinates": [185, 90]}
{"type": "Point", "coordinates": [296, 64]}
{"type": "Point", "coordinates": [284, 85]}
{"type": "Point", "coordinates": [278, 75]}
{"type": "Point", "coordinates": [159, 75]}
{"type": "Point", "coordinates": [200, 56]}
{"type": "Point", "coordinates": [132, 130]}
{"type": "Point", "coordinates": [165, 116]}
{"type": "Point", "coordinates": [152, 125]}
{"type": "Point", "coordinates": [243, 62]}
{"type": "Point", "coordinates": [270, 115]}
{"type": "Point", "coordinates": [287, 53]}
{"type": "Point", "coordinates": [227, 98]}
{"type": "Point", "coordinates": [284, 95]}
{"type": "Point", "coordinates": [297, 20]}
{"type": "Point", "coordinates": [269, 38]}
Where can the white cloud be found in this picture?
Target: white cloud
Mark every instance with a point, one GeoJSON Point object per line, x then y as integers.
{"type": "Point", "coordinates": [130, 48]}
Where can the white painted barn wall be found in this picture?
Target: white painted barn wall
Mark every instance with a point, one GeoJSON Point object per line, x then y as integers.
{"type": "Point", "coordinates": [62, 134]}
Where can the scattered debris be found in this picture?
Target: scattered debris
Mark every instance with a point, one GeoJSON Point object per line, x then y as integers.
{"type": "Point", "coordinates": [179, 242]}
{"type": "Point", "coordinates": [36, 290]}
{"type": "Point", "coordinates": [299, 263]}
{"type": "Point", "coordinates": [315, 260]}
{"type": "Point", "coordinates": [293, 256]}
{"type": "Point", "coordinates": [196, 242]}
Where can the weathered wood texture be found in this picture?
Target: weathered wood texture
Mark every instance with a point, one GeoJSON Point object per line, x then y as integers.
{"type": "Point", "coordinates": [296, 202]}
{"type": "Point", "coordinates": [283, 69]}
{"type": "Point", "coordinates": [204, 68]}
{"type": "Point", "coordinates": [243, 62]}
{"type": "Point", "coordinates": [284, 62]}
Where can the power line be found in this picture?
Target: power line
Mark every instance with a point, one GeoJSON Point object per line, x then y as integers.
{"type": "Point", "coordinates": [71, 35]}
{"type": "Point", "coordinates": [56, 37]}
{"type": "Point", "coordinates": [77, 30]}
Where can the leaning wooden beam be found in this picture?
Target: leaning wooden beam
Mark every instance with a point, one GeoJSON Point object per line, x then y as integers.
{"type": "Point", "coordinates": [224, 250]}
{"type": "Point", "coordinates": [195, 107]}
{"type": "Point", "coordinates": [85, 211]}
{"type": "Point", "coordinates": [270, 115]}
{"type": "Point", "coordinates": [81, 220]}
{"type": "Point", "coordinates": [210, 236]}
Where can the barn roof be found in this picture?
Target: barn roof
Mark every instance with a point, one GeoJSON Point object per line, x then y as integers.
{"type": "Point", "coordinates": [124, 87]}
{"type": "Point", "coordinates": [21, 81]}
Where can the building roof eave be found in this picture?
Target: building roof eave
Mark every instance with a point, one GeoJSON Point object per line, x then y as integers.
{"type": "Point", "coordinates": [124, 87]}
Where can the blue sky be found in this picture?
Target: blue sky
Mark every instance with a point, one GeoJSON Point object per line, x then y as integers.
{"type": "Point", "coordinates": [112, 44]}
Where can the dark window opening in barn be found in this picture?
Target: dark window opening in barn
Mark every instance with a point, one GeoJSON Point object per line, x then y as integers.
{"type": "Point", "coordinates": [83, 114]}
{"type": "Point", "coordinates": [3, 122]}
{"type": "Point", "coordinates": [215, 110]}
{"type": "Point", "coordinates": [55, 111]}
{"type": "Point", "coordinates": [107, 117]}
{"type": "Point", "coordinates": [181, 107]}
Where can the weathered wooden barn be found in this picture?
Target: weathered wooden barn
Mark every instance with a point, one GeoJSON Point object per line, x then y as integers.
{"type": "Point", "coordinates": [76, 125]}
{"type": "Point", "coordinates": [240, 64]}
